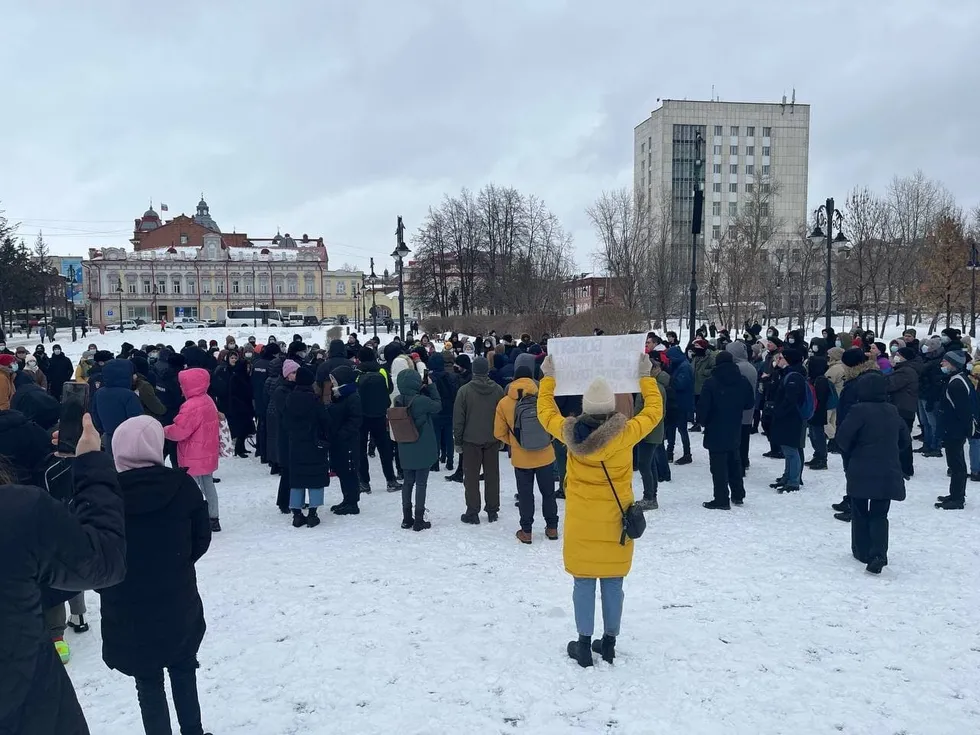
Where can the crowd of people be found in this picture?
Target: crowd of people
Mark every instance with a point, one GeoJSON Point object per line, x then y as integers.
{"type": "Point", "coordinates": [314, 415]}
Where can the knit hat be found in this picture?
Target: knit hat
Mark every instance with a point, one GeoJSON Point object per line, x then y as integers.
{"type": "Point", "coordinates": [365, 354]}
{"type": "Point", "coordinates": [882, 348]}
{"type": "Point", "coordinates": [932, 345]}
{"type": "Point", "coordinates": [723, 357]}
{"type": "Point", "coordinates": [525, 361]}
{"type": "Point", "coordinates": [103, 356]}
{"type": "Point", "coordinates": [465, 362]}
{"type": "Point", "coordinates": [289, 367]}
{"type": "Point", "coordinates": [304, 376]}
{"type": "Point", "coordinates": [776, 341]}
{"type": "Point", "coordinates": [481, 366]}
{"type": "Point", "coordinates": [956, 358]}
{"type": "Point", "coordinates": [853, 356]}
{"type": "Point", "coordinates": [701, 344]}
{"type": "Point", "coordinates": [910, 332]}
{"type": "Point", "coordinates": [793, 356]}
{"type": "Point", "coordinates": [271, 350]}
{"type": "Point", "coordinates": [907, 353]}
{"type": "Point", "coordinates": [598, 400]}
{"type": "Point", "coordinates": [7, 360]}
{"type": "Point", "coordinates": [138, 442]}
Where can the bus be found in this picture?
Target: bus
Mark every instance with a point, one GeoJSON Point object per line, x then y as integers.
{"type": "Point", "coordinates": [253, 317]}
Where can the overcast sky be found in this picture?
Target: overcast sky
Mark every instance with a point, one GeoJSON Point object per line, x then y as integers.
{"type": "Point", "coordinates": [333, 118]}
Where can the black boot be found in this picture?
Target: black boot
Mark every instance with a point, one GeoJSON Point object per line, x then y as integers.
{"type": "Point", "coordinates": [818, 464]}
{"type": "Point", "coordinates": [312, 519]}
{"type": "Point", "coordinates": [686, 459]}
{"type": "Point", "coordinates": [843, 505]}
{"type": "Point", "coordinates": [77, 623]}
{"type": "Point", "coordinates": [457, 476]}
{"type": "Point", "coordinates": [215, 525]}
{"type": "Point", "coordinates": [394, 486]}
{"type": "Point", "coordinates": [581, 651]}
{"type": "Point", "coordinates": [951, 503]}
{"type": "Point", "coordinates": [606, 647]}
{"type": "Point", "coordinates": [473, 520]}
{"type": "Point", "coordinates": [717, 505]}
{"type": "Point", "coordinates": [420, 523]}
{"type": "Point", "coordinates": [299, 520]}
{"type": "Point", "coordinates": [877, 564]}
{"type": "Point", "coordinates": [844, 515]}
{"type": "Point", "coordinates": [407, 520]}
{"type": "Point", "coordinates": [449, 463]}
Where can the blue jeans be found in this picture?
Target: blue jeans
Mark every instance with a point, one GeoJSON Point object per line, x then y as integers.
{"type": "Point", "coordinates": [930, 425]}
{"type": "Point", "coordinates": [583, 598]}
{"type": "Point", "coordinates": [793, 466]}
{"type": "Point", "coordinates": [298, 494]}
{"type": "Point", "coordinates": [974, 456]}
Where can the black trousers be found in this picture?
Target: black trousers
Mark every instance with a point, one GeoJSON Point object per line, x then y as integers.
{"type": "Point", "coordinates": [260, 436]}
{"type": "Point", "coordinates": [869, 529]}
{"type": "Point", "coordinates": [905, 456]}
{"type": "Point", "coordinates": [350, 486]}
{"type": "Point", "coordinates": [240, 445]}
{"type": "Point", "coordinates": [956, 463]}
{"type": "Point", "coordinates": [644, 463]}
{"type": "Point", "coordinates": [153, 700]}
{"type": "Point", "coordinates": [545, 477]}
{"type": "Point", "coordinates": [376, 427]}
{"type": "Point", "coordinates": [744, 444]}
{"type": "Point", "coordinates": [726, 472]}
{"type": "Point", "coordinates": [170, 451]}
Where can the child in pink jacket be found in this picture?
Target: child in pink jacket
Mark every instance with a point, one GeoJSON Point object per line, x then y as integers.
{"type": "Point", "coordinates": [195, 429]}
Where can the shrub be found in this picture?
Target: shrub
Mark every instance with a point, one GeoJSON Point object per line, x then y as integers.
{"type": "Point", "coordinates": [610, 319]}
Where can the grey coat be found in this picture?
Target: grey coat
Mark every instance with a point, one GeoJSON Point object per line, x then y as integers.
{"type": "Point", "coordinates": [740, 354]}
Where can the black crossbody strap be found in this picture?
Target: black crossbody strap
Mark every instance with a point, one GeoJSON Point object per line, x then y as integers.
{"type": "Point", "coordinates": [613, 488]}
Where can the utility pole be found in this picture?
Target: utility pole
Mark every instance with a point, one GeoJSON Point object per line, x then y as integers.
{"type": "Point", "coordinates": [696, 218]}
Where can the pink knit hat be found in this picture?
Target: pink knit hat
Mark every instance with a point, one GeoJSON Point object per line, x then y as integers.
{"type": "Point", "coordinates": [289, 367]}
{"type": "Point", "coordinates": [138, 442]}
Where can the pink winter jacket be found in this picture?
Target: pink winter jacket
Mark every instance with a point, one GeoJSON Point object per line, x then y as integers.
{"type": "Point", "coordinates": [195, 428]}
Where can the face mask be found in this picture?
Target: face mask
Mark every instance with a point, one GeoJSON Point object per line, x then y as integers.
{"type": "Point", "coordinates": [3, 345]}
{"type": "Point", "coordinates": [898, 359]}
{"type": "Point", "coordinates": [944, 339]}
{"type": "Point", "coordinates": [14, 368]}
{"type": "Point", "coordinates": [945, 369]}
{"type": "Point", "coordinates": [894, 349]}
{"type": "Point", "coordinates": [55, 352]}
{"type": "Point", "coordinates": [838, 344]}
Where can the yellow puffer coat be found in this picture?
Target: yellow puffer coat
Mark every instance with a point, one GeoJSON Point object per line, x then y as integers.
{"type": "Point", "coordinates": [503, 428]}
{"type": "Point", "coordinates": [593, 522]}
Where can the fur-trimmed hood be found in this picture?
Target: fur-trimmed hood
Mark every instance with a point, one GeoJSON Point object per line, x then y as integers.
{"type": "Point", "coordinates": [594, 444]}
{"type": "Point", "coordinates": [865, 367]}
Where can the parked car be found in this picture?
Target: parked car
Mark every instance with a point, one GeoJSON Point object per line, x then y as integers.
{"type": "Point", "coordinates": [186, 322]}
{"type": "Point", "coordinates": [327, 321]}
{"type": "Point", "coordinates": [310, 321]}
{"type": "Point", "coordinates": [128, 325]}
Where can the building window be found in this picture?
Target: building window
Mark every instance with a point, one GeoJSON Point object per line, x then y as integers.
{"type": "Point", "coordinates": [717, 168]}
{"type": "Point", "coordinates": [219, 286]}
{"type": "Point", "coordinates": [733, 209]}
{"type": "Point", "coordinates": [716, 232]}
{"type": "Point", "coordinates": [733, 169]}
{"type": "Point", "coordinates": [248, 286]}
{"type": "Point", "coordinates": [750, 150]}
{"type": "Point", "coordinates": [767, 132]}
{"type": "Point", "coordinates": [310, 286]}
{"type": "Point", "coordinates": [263, 284]}
{"type": "Point", "coordinates": [183, 239]}
{"type": "Point", "coordinates": [766, 150]}
{"type": "Point", "coordinates": [716, 187]}
{"type": "Point", "coordinates": [734, 130]}
{"type": "Point", "coordinates": [733, 188]}
{"type": "Point", "coordinates": [749, 188]}
{"type": "Point", "coordinates": [717, 150]}
{"type": "Point", "coordinates": [162, 286]}
{"type": "Point", "coordinates": [750, 169]}
{"type": "Point", "coordinates": [764, 209]}
{"type": "Point", "coordinates": [191, 286]}
{"type": "Point", "coordinates": [716, 209]}
{"type": "Point", "coordinates": [146, 285]}
{"type": "Point", "coordinates": [206, 286]}
{"type": "Point", "coordinates": [341, 288]}
{"type": "Point", "coordinates": [766, 188]}
{"type": "Point", "coordinates": [235, 288]}
{"type": "Point", "coordinates": [765, 169]}
{"type": "Point", "coordinates": [717, 129]}
{"type": "Point", "coordinates": [279, 287]}
{"type": "Point", "coordinates": [292, 285]}
{"type": "Point", "coordinates": [176, 286]}
{"type": "Point", "coordinates": [750, 131]}
{"type": "Point", "coordinates": [643, 147]}
{"type": "Point", "coordinates": [733, 150]}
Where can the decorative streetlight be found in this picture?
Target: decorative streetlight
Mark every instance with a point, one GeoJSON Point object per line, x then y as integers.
{"type": "Point", "coordinates": [357, 312]}
{"type": "Point", "coordinates": [255, 304]}
{"type": "Point", "coordinates": [696, 217]}
{"type": "Point", "coordinates": [400, 253]}
{"type": "Point", "coordinates": [119, 290]}
{"type": "Point", "coordinates": [973, 265]}
{"type": "Point", "coordinates": [71, 300]}
{"type": "Point", "coordinates": [374, 299]}
{"type": "Point", "coordinates": [833, 218]}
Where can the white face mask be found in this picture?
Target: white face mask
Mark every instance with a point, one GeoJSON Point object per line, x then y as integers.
{"type": "Point", "coordinates": [55, 352]}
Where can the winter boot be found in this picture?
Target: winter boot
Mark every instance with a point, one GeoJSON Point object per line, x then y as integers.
{"type": "Point", "coordinates": [394, 486]}
{"type": "Point", "coordinates": [686, 459]}
{"type": "Point", "coordinates": [77, 623]}
{"type": "Point", "coordinates": [605, 648]}
{"type": "Point", "coordinates": [347, 509]}
{"type": "Point", "coordinates": [215, 525]}
{"type": "Point", "coordinates": [580, 651]}
{"type": "Point", "coordinates": [457, 476]}
{"type": "Point", "coordinates": [975, 477]}
{"type": "Point", "coordinates": [876, 565]}
{"type": "Point", "coordinates": [492, 516]}
{"type": "Point", "coordinates": [471, 519]}
{"type": "Point", "coordinates": [717, 505]}
{"type": "Point", "coordinates": [560, 493]}
{"type": "Point", "coordinates": [449, 463]}
{"type": "Point", "coordinates": [778, 483]}
{"type": "Point", "coordinates": [789, 489]}
{"type": "Point", "coordinates": [696, 428]}
{"type": "Point", "coordinates": [407, 520]}
{"type": "Point", "coordinates": [434, 467]}
{"type": "Point", "coordinates": [832, 447]}
{"type": "Point", "coordinates": [62, 648]}
{"type": "Point", "coordinates": [299, 520]}
{"type": "Point", "coordinates": [649, 503]}
{"type": "Point", "coordinates": [844, 515]}
{"type": "Point", "coordinates": [818, 464]}
{"type": "Point", "coordinates": [421, 524]}
{"type": "Point", "coordinates": [365, 488]}
{"type": "Point", "coordinates": [951, 503]}
{"type": "Point", "coordinates": [843, 505]}
{"type": "Point", "coordinates": [551, 534]}
{"type": "Point", "coordinates": [312, 519]}
{"type": "Point", "coordinates": [524, 537]}
{"type": "Point", "coordinates": [738, 499]}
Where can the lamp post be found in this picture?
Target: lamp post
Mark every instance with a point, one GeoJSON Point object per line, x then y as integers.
{"type": "Point", "coordinates": [400, 253]}
{"type": "Point", "coordinates": [374, 299]}
{"type": "Point", "coordinates": [973, 266]}
{"type": "Point", "coordinates": [119, 290]}
{"type": "Point", "coordinates": [72, 280]}
{"type": "Point", "coordinates": [696, 217]}
{"type": "Point", "coordinates": [255, 303]}
{"type": "Point", "coordinates": [833, 217]}
{"type": "Point", "coordinates": [357, 311]}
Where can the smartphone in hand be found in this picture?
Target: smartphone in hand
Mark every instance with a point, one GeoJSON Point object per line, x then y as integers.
{"type": "Point", "coordinates": [74, 404]}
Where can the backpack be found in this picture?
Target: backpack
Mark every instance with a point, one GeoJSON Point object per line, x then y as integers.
{"type": "Point", "coordinates": [528, 431]}
{"type": "Point", "coordinates": [403, 428]}
{"type": "Point", "coordinates": [833, 400]}
{"type": "Point", "coordinates": [808, 404]}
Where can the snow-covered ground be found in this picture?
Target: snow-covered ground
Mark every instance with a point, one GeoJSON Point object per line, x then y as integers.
{"type": "Point", "coordinates": [754, 621]}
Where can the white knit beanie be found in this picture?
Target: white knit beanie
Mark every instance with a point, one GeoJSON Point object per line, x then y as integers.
{"type": "Point", "coordinates": [599, 400]}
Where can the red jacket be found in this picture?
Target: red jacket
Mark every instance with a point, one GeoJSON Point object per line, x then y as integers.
{"type": "Point", "coordinates": [195, 429]}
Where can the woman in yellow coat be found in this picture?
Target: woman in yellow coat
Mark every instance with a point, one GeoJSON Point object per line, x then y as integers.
{"type": "Point", "coordinates": [600, 441]}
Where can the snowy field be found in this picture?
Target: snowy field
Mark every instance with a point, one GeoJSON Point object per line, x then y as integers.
{"type": "Point", "coordinates": [753, 621]}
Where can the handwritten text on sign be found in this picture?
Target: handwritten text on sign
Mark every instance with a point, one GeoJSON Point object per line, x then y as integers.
{"type": "Point", "coordinates": [579, 360]}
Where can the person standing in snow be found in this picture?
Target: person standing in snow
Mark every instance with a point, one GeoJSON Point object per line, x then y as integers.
{"type": "Point", "coordinates": [682, 381]}
{"type": "Point", "coordinates": [116, 400]}
{"type": "Point", "coordinates": [375, 388]}
{"type": "Point", "coordinates": [423, 402]}
{"type": "Point", "coordinates": [58, 371]}
{"type": "Point", "coordinates": [956, 424]}
{"type": "Point", "coordinates": [473, 416]}
{"type": "Point", "coordinates": [788, 427]}
{"type": "Point", "coordinates": [154, 619]}
{"type": "Point", "coordinates": [345, 416]}
{"type": "Point", "coordinates": [304, 422]}
{"type": "Point", "coordinates": [599, 484]}
{"type": "Point", "coordinates": [740, 352]}
{"type": "Point", "coordinates": [278, 440]}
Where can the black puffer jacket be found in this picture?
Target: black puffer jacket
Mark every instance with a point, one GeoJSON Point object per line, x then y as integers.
{"type": "Point", "coordinates": [956, 410]}
{"type": "Point", "coordinates": [25, 446]}
{"type": "Point", "coordinates": [374, 386]}
{"type": "Point", "coordinates": [155, 617]}
{"type": "Point", "coordinates": [816, 370]}
{"type": "Point", "coordinates": [304, 421]}
{"type": "Point", "coordinates": [35, 403]}
{"type": "Point", "coordinates": [345, 417]}
{"type": "Point", "coordinates": [336, 357]}
{"type": "Point", "coordinates": [787, 423]}
{"type": "Point", "coordinates": [870, 439]}
{"type": "Point", "coordinates": [932, 381]}
{"type": "Point", "coordinates": [59, 371]}
{"type": "Point", "coordinates": [276, 439]}
{"type": "Point", "coordinates": [903, 388]}
{"type": "Point", "coordinates": [724, 396]}
{"type": "Point", "coordinates": [43, 543]}
{"type": "Point", "coordinates": [852, 379]}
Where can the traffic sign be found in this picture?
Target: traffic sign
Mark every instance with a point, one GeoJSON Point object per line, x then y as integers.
{"type": "Point", "coordinates": [109, 313]}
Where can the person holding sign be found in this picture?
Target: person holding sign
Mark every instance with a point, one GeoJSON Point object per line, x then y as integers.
{"type": "Point", "coordinates": [598, 490]}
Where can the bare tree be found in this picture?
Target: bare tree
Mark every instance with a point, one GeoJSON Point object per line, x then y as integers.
{"type": "Point", "coordinates": [660, 288]}
{"type": "Point", "coordinates": [866, 217]}
{"type": "Point", "coordinates": [946, 286]}
{"type": "Point", "coordinates": [620, 219]}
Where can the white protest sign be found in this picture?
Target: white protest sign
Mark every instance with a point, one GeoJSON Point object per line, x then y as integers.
{"type": "Point", "coordinates": [580, 360]}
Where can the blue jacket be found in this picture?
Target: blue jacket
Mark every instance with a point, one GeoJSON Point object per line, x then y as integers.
{"type": "Point", "coordinates": [681, 380]}
{"type": "Point", "coordinates": [116, 400]}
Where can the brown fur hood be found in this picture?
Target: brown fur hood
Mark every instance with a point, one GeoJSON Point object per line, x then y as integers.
{"type": "Point", "coordinates": [595, 442]}
{"type": "Point", "coordinates": [865, 367]}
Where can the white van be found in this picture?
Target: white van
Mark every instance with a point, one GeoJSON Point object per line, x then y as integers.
{"type": "Point", "coordinates": [295, 319]}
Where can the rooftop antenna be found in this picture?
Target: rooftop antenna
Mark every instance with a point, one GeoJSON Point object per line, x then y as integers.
{"type": "Point", "coordinates": [712, 93]}
{"type": "Point", "coordinates": [784, 103]}
{"type": "Point", "coordinates": [792, 108]}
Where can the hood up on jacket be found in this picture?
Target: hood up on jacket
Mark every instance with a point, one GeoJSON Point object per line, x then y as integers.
{"type": "Point", "coordinates": [872, 389]}
{"type": "Point", "coordinates": [834, 354]}
{"type": "Point", "coordinates": [337, 349]}
{"type": "Point", "coordinates": [409, 383]}
{"type": "Point", "coordinates": [727, 373]}
{"type": "Point", "coordinates": [816, 366]}
{"type": "Point", "coordinates": [525, 386]}
{"type": "Point", "coordinates": [850, 373]}
{"type": "Point", "coordinates": [737, 350]}
{"type": "Point", "coordinates": [676, 355]}
{"type": "Point", "coordinates": [193, 382]}
{"type": "Point", "coordinates": [138, 443]}
{"type": "Point", "coordinates": [117, 374]}
{"type": "Point", "coordinates": [391, 351]}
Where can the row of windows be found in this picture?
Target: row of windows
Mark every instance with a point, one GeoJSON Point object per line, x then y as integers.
{"type": "Point", "coordinates": [733, 209]}
{"type": "Point", "coordinates": [749, 131]}
{"type": "Point", "coordinates": [733, 169]}
{"type": "Point", "coordinates": [175, 286]}
{"type": "Point", "coordinates": [749, 150]}
{"type": "Point", "coordinates": [733, 188]}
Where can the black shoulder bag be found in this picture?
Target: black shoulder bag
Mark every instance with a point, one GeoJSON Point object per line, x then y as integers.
{"type": "Point", "coordinates": [634, 524]}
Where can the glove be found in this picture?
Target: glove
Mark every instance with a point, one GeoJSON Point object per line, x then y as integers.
{"type": "Point", "coordinates": [458, 450]}
{"type": "Point", "coordinates": [548, 367]}
{"type": "Point", "coordinates": [644, 368]}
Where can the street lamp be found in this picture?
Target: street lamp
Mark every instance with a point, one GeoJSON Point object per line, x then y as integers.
{"type": "Point", "coordinates": [696, 217]}
{"type": "Point", "coordinates": [973, 265]}
{"type": "Point", "coordinates": [399, 254]}
{"type": "Point", "coordinates": [357, 311]}
{"type": "Point", "coordinates": [119, 291]}
{"type": "Point", "coordinates": [255, 303]}
{"type": "Point", "coordinates": [374, 299]}
{"type": "Point", "coordinates": [71, 300]}
{"type": "Point", "coordinates": [833, 218]}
